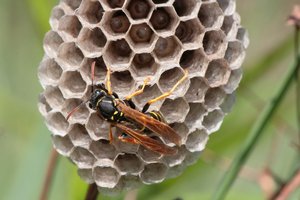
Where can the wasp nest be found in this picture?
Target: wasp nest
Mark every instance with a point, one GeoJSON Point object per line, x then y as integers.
{"type": "Point", "coordinates": [138, 39]}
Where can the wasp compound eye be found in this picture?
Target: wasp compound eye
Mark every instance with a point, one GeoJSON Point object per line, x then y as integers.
{"type": "Point", "coordinates": [133, 40]}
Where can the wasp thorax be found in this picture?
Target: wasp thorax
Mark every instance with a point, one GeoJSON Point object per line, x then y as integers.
{"type": "Point", "coordinates": [138, 39]}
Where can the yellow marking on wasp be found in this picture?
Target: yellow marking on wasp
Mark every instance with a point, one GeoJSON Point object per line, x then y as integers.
{"type": "Point", "coordinates": [112, 118]}
{"type": "Point", "coordinates": [116, 112]}
{"type": "Point", "coordinates": [121, 114]}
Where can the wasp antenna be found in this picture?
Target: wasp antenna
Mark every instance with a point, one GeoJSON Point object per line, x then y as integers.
{"type": "Point", "coordinates": [75, 109]}
{"type": "Point", "coordinates": [93, 74]}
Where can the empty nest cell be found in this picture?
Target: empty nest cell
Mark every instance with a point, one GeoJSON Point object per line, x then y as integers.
{"type": "Point", "coordinates": [73, 4]}
{"type": "Point", "coordinates": [197, 90]}
{"type": "Point", "coordinates": [57, 124]}
{"type": "Point", "coordinates": [195, 61]}
{"type": "Point", "coordinates": [70, 56]}
{"type": "Point", "coordinates": [154, 173]}
{"type": "Point", "coordinates": [115, 3]}
{"type": "Point", "coordinates": [195, 116]}
{"type": "Point", "coordinates": [214, 97]}
{"type": "Point", "coordinates": [70, 25]}
{"type": "Point", "coordinates": [184, 8]}
{"type": "Point", "coordinates": [211, 15]}
{"type": "Point", "coordinates": [129, 164]}
{"type": "Point", "coordinates": [91, 11]}
{"type": "Point", "coordinates": [72, 85]}
{"type": "Point", "coordinates": [235, 54]}
{"type": "Point", "coordinates": [103, 149]}
{"type": "Point", "coordinates": [214, 43]}
{"type": "Point", "coordinates": [52, 41]}
{"type": "Point", "coordinates": [122, 82]}
{"type": "Point", "coordinates": [164, 20]}
{"type": "Point", "coordinates": [139, 9]}
{"type": "Point", "coordinates": [150, 92]}
{"type": "Point", "coordinates": [197, 140]}
{"type": "Point", "coordinates": [174, 110]}
{"type": "Point", "coordinates": [54, 97]}
{"type": "Point", "coordinates": [97, 127]}
{"type": "Point", "coordinates": [49, 72]}
{"type": "Point", "coordinates": [190, 32]}
{"type": "Point", "coordinates": [80, 116]}
{"type": "Point", "coordinates": [105, 175]}
{"type": "Point", "coordinates": [99, 73]}
{"type": "Point", "coordinates": [79, 136]}
{"type": "Point", "coordinates": [92, 41]}
{"type": "Point", "coordinates": [62, 144]}
{"type": "Point", "coordinates": [118, 53]}
{"type": "Point", "coordinates": [213, 120]}
{"type": "Point", "coordinates": [167, 48]}
{"type": "Point", "coordinates": [82, 157]}
{"type": "Point", "coordinates": [144, 65]}
{"type": "Point", "coordinates": [217, 73]}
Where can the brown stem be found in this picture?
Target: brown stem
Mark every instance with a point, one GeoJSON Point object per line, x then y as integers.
{"type": "Point", "coordinates": [92, 192]}
{"type": "Point", "coordinates": [285, 190]}
{"type": "Point", "coordinates": [49, 175]}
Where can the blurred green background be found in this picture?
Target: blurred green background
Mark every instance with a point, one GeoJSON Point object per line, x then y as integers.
{"type": "Point", "coordinates": [25, 141]}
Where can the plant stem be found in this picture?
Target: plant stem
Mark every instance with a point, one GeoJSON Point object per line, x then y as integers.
{"type": "Point", "coordinates": [255, 133]}
{"type": "Point", "coordinates": [49, 175]}
{"type": "Point", "coordinates": [297, 78]}
{"type": "Point", "coordinates": [92, 192]}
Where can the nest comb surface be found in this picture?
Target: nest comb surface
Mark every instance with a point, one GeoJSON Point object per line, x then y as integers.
{"type": "Point", "coordinates": [138, 39]}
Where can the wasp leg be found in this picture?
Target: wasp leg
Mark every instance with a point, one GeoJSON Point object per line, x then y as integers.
{"type": "Point", "coordinates": [130, 103]}
{"type": "Point", "coordinates": [166, 94]}
{"type": "Point", "coordinates": [140, 91]}
{"type": "Point", "coordinates": [111, 138]}
{"type": "Point", "coordinates": [108, 83]}
{"type": "Point", "coordinates": [126, 138]}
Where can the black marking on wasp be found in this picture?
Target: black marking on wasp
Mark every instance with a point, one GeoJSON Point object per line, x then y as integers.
{"type": "Point", "coordinates": [121, 112]}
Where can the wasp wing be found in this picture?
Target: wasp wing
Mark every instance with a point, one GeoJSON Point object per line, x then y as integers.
{"type": "Point", "coordinates": [146, 141]}
{"type": "Point", "coordinates": [152, 124]}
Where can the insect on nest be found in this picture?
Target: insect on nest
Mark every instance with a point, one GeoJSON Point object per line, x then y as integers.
{"type": "Point", "coordinates": [136, 126]}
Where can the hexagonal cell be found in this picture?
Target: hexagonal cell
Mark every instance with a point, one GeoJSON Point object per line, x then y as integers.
{"type": "Point", "coordinates": [54, 97]}
{"type": "Point", "coordinates": [195, 116]}
{"type": "Point", "coordinates": [170, 78]}
{"type": "Point", "coordinates": [184, 8]}
{"type": "Point", "coordinates": [97, 127]}
{"type": "Point", "coordinates": [52, 41]}
{"type": "Point", "coordinates": [82, 157]}
{"type": "Point", "coordinates": [118, 53]}
{"type": "Point", "coordinates": [197, 90]}
{"type": "Point", "coordinates": [81, 115]}
{"type": "Point", "coordinates": [213, 121]}
{"type": "Point", "coordinates": [164, 20]}
{"type": "Point", "coordinates": [150, 92]}
{"type": "Point", "coordinates": [130, 182]}
{"type": "Point", "coordinates": [79, 136]}
{"type": "Point", "coordinates": [73, 4]}
{"type": "Point", "coordinates": [69, 56]}
{"type": "Point", "coordinates": [174, 110]}
{"type": "Point", "coordinates": [191, 158]}
{"type": "Point", "coordinates": [176, 159]}
{"type": "Point", "coordinates": [122, 82]}
{"type": "Point", "coordinates": [128, 164]}
{"type": "Point", "coordinates": [92, 41]}
{"type": "Point", "coordinates": [190, 32]}
{"type": "Point", "coordinates": [57, 124]}
{"type": "Point", "coordinates": [217, 73]}
{"type": "Point", "coordinates": [43, 105]}
{"type": "Point", "coordinates": [115, 3]}
{"type": "Point", "coordinates": [229, 24]}
{"type": "Point", "coordinates": [175, 171]}
{"type": "Point", "coordinates": [141, 37]}
{"type": "Point", "coordinates": [56, 13]}
{"type": "Point", "coordinates": [139, 9]}
{"type": "Point", "coordinates": [235, 54]}
{"type": "Point", "coordinates": [70, 25]}
{"type": "Point", "coordinates": [214, 97]}
{"type": "Point", "coordinates": [148, 156]}
{"type": "Point", "coordinates": [228, 103]}
{"type": "Point", "coordinates": [167, 49]}
{"type": "Point", "coordinates": [195, 61]}
{"type": "Point", "coordinates": [91, 11]}
{"type": "Point", "coordinates": [99, 73]}
{"type": "Point", "coordinates": [181, 129]}
{"type": "Point", "coordinates": [214, 43]}
{"type": "Point", "coordinates": [63, 145]}
{"type": "Point", "coordinates": [115, 23]}
{"type": "Point", "coordinates": [103, 149]}
{"type": "Point", "coordinates": [106, 176]}
{"type": "Point", "coordinates": [144, 65]}
{"type": "Point", "coordinates": [242, 35]}
{"type": "Point", "coordinates": [197, 140]}
{"type": "Point", "coordinates": [49, 72]}
{"type": "Point", "coordinates": [227, 6]}
{"type": "Point", "coordinates": [211, 15]}
{"type": "Point", "coordinates": [154, 173]}
{"type": "Point", "coordinates": [234, 80]}
{"type": "Point", "coordinates": [86, 175]}
{"type": "Point", "coordinates": [72, 85]}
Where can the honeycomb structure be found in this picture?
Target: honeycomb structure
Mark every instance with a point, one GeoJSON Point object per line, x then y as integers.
{"type": "Point", "coordinates": [138, 39]}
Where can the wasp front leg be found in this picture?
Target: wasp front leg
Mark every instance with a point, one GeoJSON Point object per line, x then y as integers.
{"type": "Point", "coordinates": [126, 138]}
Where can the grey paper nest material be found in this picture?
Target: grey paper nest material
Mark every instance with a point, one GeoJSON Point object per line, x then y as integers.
{"type": "Point", "coordinates": [137, 39]}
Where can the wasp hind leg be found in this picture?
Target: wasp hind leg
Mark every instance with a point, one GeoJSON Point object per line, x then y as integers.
{"type": "Point", "coordinates": [140, 91]}
{"type": "Point", "coordinates": [126, 138]}
{"type": "Point", "coordinates": [166, 94]}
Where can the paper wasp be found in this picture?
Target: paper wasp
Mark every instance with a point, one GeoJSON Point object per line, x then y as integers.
{"type": "Point", "coordinates": [122, 114]}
